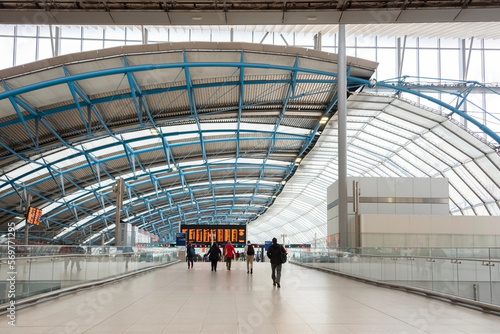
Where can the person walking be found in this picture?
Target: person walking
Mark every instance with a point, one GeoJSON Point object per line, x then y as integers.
{"type": "Point", "coordinates": [214, 255]}
{"type": "Point", "coordinates": [274, 254]}
{"type": "Point", "coordinates": [229, 253]}
{"type": "Point", "coordinates": [249, 252]}
{"type": "Point", "coordinates": [190, 251]}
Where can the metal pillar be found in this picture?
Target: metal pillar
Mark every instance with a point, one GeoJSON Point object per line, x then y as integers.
{"type": "Point", "coordinates": [342, 140]}
{"type": "Point", "coordinates": [318, 41]}
{"type": "Point", "coordinates": [27, 226]}
{"type": "Point", "coordinates": [119, 201]}
{"type": "Point", "coordinates": [355, 208]}
{"type": "Point", "coordinates": [145, 36]}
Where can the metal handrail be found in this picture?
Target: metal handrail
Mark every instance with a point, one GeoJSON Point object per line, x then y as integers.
{"type": "Point", "coordinates": [69, 255]}
{"type": "Point", "coordinates": [410, 257]}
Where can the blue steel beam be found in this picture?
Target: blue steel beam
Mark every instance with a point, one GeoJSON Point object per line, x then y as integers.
{"type": "Point", "coordinates": [453, 110]}
{"type": "Point", "coordinates": [77, 101]}
{"type": "Point", "coordinates": [179, 205]}
{"type": "Point", "coordinates": [242, 167]}
{"type": "Point", "coordinates": [150, 67]}
{"type": "Point", "coordinates": [113, 71]}
{"type": "Point", "coordinates": [91, 103]}
{"type": "Point", "coordinates": [20, 115]}
{"type": "Point", "coordinates": [290, 91]}
{"type": "Point", "coordinates": [241, 99]}
{"type": "Point", "coordinates": [194, 114]}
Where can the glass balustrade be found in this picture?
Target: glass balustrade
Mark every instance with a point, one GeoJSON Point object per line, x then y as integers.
{"type": "Point", "coordinates": [471, 273]}
{"type": "Point", "coordinates": [40, 269]}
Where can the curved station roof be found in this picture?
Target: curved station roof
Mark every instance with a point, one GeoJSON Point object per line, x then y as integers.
{"type": "Point", "coordinates": [201, 133]}
{"type": "Point", "coordinates": [213, 133]}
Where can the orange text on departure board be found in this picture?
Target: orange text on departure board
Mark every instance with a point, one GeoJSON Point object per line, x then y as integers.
{"type": "Point", "coordinates": [34, 216]}
{"type": "Point", "coordinates": [220, 235]}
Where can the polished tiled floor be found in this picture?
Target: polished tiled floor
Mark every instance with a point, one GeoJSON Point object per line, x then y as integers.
{"type": "Point", "coordinates": [178, 300]}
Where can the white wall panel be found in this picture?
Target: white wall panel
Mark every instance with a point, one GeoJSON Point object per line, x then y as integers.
{"type": "Point", "coordinates": [422, 188]}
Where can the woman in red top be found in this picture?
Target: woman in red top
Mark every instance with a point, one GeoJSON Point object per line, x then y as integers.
{"type": "Point", "coordinates": [229, 253]}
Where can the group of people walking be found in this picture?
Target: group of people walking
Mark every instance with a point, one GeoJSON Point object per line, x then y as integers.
{"type": "Point", "coordinates": [276, 253]}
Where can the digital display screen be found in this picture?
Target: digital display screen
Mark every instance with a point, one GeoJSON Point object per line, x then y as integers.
{"type": "Point", "coordinates": [199, 234]}
{"type": "Point", "coordinates": [34, 216]}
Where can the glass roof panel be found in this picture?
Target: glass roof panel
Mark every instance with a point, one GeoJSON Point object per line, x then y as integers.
{"type": "Point", "coordinates": [391, 128]}
{"type": "Point", "coordinates": [494, 208]}
{"type": "Point", "coordinates": [460, 144]}
{"type": "Point", "coordinates": [468, 178]}
{"type": "Point", "coordinates": [458, 200]}
{"type": "Point", "coordinates": [409, 119]}
{"type": "Point", "coordinates": [370, 148]}
{"type": "Point", "coordinates": [380, 141]}
{"type": "Point", "coordinates": [485, 165]}
{"type": "Point", "coordinates": [442, 147]}
{"type": "Point", "coordinates": [380, 133]}
{"type": "Point", "coordinates": [408, 167]}
{"type": "Point", "coordinates": [400, 121]}
{"type": "Point", "coordinates": [481, 210]}
{"type": "Point", "coordinates": [464, 187]}
{"type": "Point", "coordinates": [408, 154]}
{"type": "Point", "coordinates": [425, 155]}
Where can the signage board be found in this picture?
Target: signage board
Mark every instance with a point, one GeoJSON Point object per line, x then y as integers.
{"type": "Point", "coordinates": [201, 234]}
{"type": "Point", "coordinates": [267, 245]}
{"type": "Point", "coordinates": [34, 216]}
{"type": "Point", "coordinates": [180, 239]}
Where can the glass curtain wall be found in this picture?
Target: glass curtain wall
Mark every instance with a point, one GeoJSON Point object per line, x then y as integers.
{"type": "Point", "coordinates": [423, 59]}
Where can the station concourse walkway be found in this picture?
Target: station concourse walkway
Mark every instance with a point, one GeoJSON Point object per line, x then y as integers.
{"type": "Point", "coordinates": [177, 300]}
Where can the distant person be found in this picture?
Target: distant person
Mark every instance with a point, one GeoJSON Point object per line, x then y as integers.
{"type": "Point", "coordinates": [274, 254]}
{"type": "Point", "coordinates": [229, 253]}
{"type": "Point", "coordinates": [249, 252]}
{"type": "Point", "coordinates": [190, 253]}
{"type": "Point", "coordinates": [65, 251]}
{"type": "Point", "coordinates": [75, 249]}
{"type": "Point", "coordinates": [127, 254]}
{"type": "Point", "coordinates": [214, 255]}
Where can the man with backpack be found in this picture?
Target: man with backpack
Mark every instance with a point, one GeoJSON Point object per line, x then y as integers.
{"type": "Point", "coordinates": [277, 254]}
{"type": "Point", "coordinates": [249, 252]}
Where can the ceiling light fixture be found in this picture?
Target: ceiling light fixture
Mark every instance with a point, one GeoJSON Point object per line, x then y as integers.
{"type": "Point", "coordinates": [283, 182]}
{"type": "Point", "coordinates": [299, 159]}
{"type": "Point", "coordinates": [154, 131]}
{"type": "Point", "coordinates": [197, 18]}
{"type": "Point", "coordinates": [312, 18]}
{"type": "Point", "coordinates": [323, 120]}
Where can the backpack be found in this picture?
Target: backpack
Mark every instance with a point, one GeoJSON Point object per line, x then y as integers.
{"type": "Point", "coordinates": [283, 254]}
{"type": "Point", "coordinates": [193, 251]}
{"type": "Point", "coordinates": [250, 250]}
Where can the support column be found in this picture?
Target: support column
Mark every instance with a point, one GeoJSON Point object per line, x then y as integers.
{"type": "Point", "coordinates": [119, 203]}
{"type": "Point", "coordinates": [342, 138]}
{"type": "Point", "coordinates": [318, 41]}
{"type": "Point", "coordinates": [27, 226]}
{"type": "Point", "coordinates": [145, 36]}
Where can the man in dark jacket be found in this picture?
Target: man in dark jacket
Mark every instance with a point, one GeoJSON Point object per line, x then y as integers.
{"type": "Point", "coordinates": [190, 252]}
{"type": "Point", "coordinates": [214, 254]}
{"type": "Point", "coordinates": [274, 254]}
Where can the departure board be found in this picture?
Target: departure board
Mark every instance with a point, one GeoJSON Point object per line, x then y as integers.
{"type": "Point", "coordinates": [34, 216]}
{"type": "Point", "coordinates": [201, 234]}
